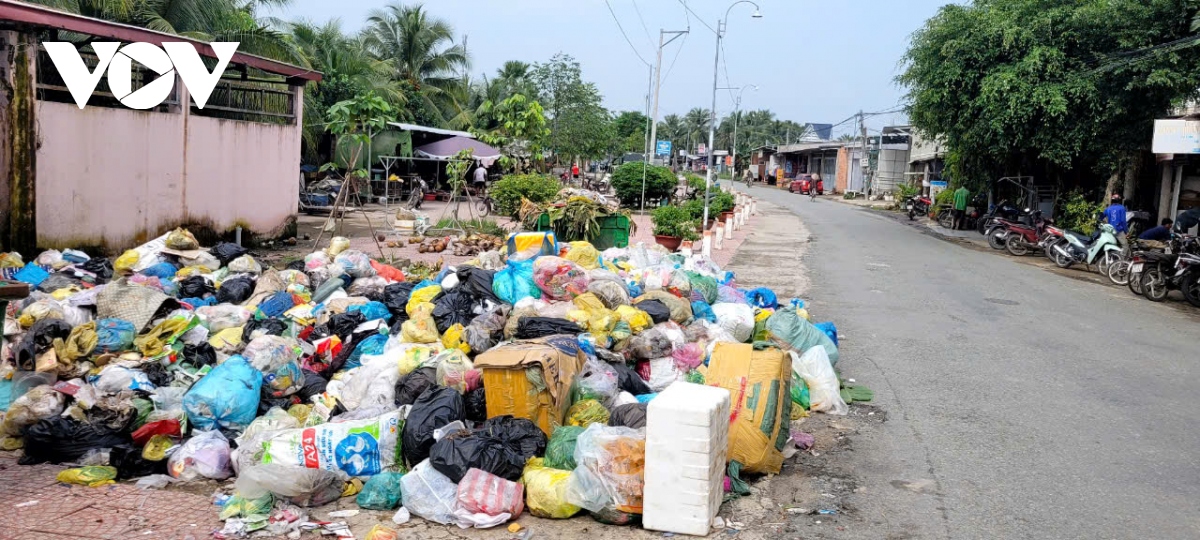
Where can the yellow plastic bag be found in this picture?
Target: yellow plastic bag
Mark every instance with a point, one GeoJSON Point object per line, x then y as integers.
{"type": "Point", "coordinates": [154, 343]}
{"type": "Point", "coordinates": [586, 412]}
{"type": "Point", "coordinates": [337, 245]}
{"type": "Point", "coordinates": [41, 309]}
{"type": "Point", "coordinates": [156, 448]}
{"type": "Point", "coordinates": [453, 339]}
{"type": "Point", "coordinates": [11, 260]}
{"type": "Point", "coordinates": [415, 358]}
{"type": "Point", "coordinates": [181, 239]}
{"type": "Point", "coordinates": [637, 319]}
{"type": "Point", "coordinates": [588, 302]}
{"type": "Point", "coordinates": [420, 328]}
{"type": "Point", "coordinates": [300, 412]}
{"type": "Point", "coordinates": [424, 295]}
{"type": "Point", "coordinates": [379, 532]}
{"type": "Point", "coordinates": [228, 340]}
{"type": "Point", "coordinates": [78, 344]}
{"type": "Point", "coordinates": [125, 263]}
{"type": "Point", "coordinates": [65, 293]}
{"type": "Point", "coordinates": [94, 476]}
{"type": "Point", "coordinates": [584, 254]}
{"type": "Point", "coordinates": [545, 491]}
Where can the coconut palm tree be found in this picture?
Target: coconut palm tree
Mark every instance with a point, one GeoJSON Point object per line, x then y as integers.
{"type": "Point", "coordinates": [423, 56]}
{"type": "Point", "coordinates": [696, 122]}
{"type": "Point", "coordinates": [672, 129]}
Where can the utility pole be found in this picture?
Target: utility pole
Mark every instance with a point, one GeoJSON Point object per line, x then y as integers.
{"type": "Point", "coordinates": [646, 154]}
{"type": "Point", "coordinates": [658, 83]}
{"type": "Point", "coordinates": [866, 161]}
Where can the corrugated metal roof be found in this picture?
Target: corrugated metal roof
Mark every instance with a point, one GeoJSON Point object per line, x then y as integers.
{"type": "Point", "coordinates": [439, 131]}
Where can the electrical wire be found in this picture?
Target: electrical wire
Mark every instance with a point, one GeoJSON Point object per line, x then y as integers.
{"type": "Point", "coordinates": [698, 17]}
{"type": "Point", "coordinates": [623, 34]}
{"type": "Point", "coordinates": [643, 21]}
{"type": "Point", "coordinates": [681, 44]}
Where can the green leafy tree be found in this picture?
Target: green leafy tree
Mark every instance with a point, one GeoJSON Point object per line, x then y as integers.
{"type": "Point", "coordinates": [1048, 87]}
{"type": "Point", "coordinates": [520, 128]}
{"type": "Point", "coordinates": [629, 128]}
{"type": "Point", "coordinates": [627, 182]}
{"type": "Point", "coordinates": [507, 192]}
{"type": "Point", "coordinates": [351, 122]}
{"type": "Point", "coordinates": [579, 124]}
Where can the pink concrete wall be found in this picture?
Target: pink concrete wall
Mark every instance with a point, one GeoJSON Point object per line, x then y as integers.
{"type": "Point", "coordinates": [109, 176]}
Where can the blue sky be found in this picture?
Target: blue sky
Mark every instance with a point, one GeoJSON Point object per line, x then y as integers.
{"type": "Point", "coordinates": [813, 61]}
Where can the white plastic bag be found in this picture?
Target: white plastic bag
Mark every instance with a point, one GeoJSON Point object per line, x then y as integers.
{"type": "Point", "coordinates": [206, 455]}
{"type": "Point", "coordinates": [222, 316]}
{"type": "Point", "coordinates": [663, 373]}
{"type": "Point", "coordinates": [371, 385]}
{"type": "Point", "coordinates": [737, 319]}
{"type": "Point", "coordinates": [360, 448]}
{"type": "Point", "coordinates": [823, 387]}
{"type": "Point", "coordinates": [301, 486]}
{"type": "Point", "coordinates": [428, 494]}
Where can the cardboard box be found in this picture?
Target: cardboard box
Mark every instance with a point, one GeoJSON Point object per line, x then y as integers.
{"type": "Point", "coordinates": [759, 383]}
{"type": "Point", "coordinates": [509, 390]}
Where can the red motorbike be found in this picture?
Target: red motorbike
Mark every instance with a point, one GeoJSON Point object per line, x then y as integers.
{"type": "Point", "coordinates": [1022, 238]}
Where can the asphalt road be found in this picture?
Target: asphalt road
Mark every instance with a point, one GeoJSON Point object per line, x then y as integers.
{"type": "Point", "coordinates": [1020, 403]}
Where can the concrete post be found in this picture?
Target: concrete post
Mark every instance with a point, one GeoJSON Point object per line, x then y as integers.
{"type": "Point", "coordinates": [706, 244]}
{"type": "Point", "coordinates": [753, 205]}
{"type": "Point", "coordinates": [729, 229]}
{"type": "Point", "coordinates": [685, 248]}
{"type": "Point", "coordinates": [1166, 190]}
{"type": "Point", "coordinates": [718, 235]}
{"type": "Point", "coordinates": [18, 142]}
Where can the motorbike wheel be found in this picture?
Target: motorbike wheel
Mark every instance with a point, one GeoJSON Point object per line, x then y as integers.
{"type": "Point", "coordinates": [996, 241]}
{"type": "Point", "coordinates": [1118, 272]}
{"type": "Point", "coordinates": [1154, 285]}
{"type": "Point", "coordinates": [1135, 283]}
{"type": "Point", "coordinates": [912, 213]}
{"type": "Point", "coordinates": [1015, 246]}
{"type": "Point", "coordinates": [1062, 260]}
{"type": "Point", "coordinates": [982, 224]}
{"type": "Point", "coordinates": [1106, 262]}
{"type": "Point", "coordinates": [1191, 288]}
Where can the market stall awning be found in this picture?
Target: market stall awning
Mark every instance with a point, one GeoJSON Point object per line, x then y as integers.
{"type": "Point", "coordinates": [447, 148]}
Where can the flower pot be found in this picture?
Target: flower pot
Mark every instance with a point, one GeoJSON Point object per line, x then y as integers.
{"type": "Point", "coordinates": [430, 197]}
{"type": "Point", "coordinates": [669, 242]}
{"type": "Point", "coordinates": [726, 216]}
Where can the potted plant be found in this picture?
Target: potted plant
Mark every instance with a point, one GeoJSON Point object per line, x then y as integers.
{"type": "Point", "coordinates": [673, 225]}
{"type": "Point", "coordinates": [722, 204]}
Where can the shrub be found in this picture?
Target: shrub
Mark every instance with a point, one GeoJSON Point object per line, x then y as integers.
{"type": "Point", "coordinates": [627, 182]}
{"type": "Point", "coordinates": [904, 191]}
{"type": "Point", "coordinates": [481, 226]}
{"type": "Point", "coordinates": [722, 202]}
{"type": "Point", "coordinates": [507, 192]}
{"type": "Point", "coordinates": [695, 208]}
{"type": "Point", "coordinates": [1078, 214]}
{"type": "Point", "coordinates": [695, 182]}
{"type": "Point", "coordinates": [674, 221]}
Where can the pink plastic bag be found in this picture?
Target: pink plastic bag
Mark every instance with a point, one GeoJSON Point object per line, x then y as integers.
{"type": "Point", "coordinates": [481, 492]}
{"type": "Point", "coordinates": [689, 356]}
{"type": "Point", "coordinates": [559, 278]}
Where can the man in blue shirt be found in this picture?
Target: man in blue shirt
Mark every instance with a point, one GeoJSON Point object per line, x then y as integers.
{"type": "Point", "coordinates": [1115, 215]}
{"type": "Point", "coordinates": [1161, 233]}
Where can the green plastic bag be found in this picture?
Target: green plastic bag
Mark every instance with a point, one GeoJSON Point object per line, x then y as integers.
{"type": "Point", "coordinates": [800, 391]}
{"type": "Point", "coordinates": [587, 412]}
{"type": "Point", "coordinates": [560, 451]}
{"type": "Point", "coordinates": [381, 492]}
{"type": "Point", "coordinates": [239, 506]}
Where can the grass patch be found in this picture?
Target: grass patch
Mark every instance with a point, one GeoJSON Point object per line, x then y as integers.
{"type": "Point", "coordinates": [479, 226]}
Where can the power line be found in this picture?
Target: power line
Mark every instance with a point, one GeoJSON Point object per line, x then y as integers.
{"type": "Point", "coordinates": [698, 17]}
{"type": "Point", "coordinates": [643, 21]}
{"type": "Point", "coordinates": [681, 44]}
{"type": "Point", "coordinates": [622, 29]}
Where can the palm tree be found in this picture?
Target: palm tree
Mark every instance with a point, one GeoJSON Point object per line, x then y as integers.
{"type": "Point", "coordinates": [672, 129]}
{"type": "Point", "coordinates": [696, 121]}
{"type": "Point", "coordinates": [423, 56]}
{"type": "Point", "coordinates": [514, 78]}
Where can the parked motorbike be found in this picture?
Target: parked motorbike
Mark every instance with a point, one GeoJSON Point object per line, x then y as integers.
{"type": "Point", "coordinates": [1101, 249]}
{"type": "Point", "coordinates": [1003, 209]}
{"type": "Point", "coordinates": [1166, 272]}
{"type": "Point", "coordinates": [917, 206]}
{"type": "Point", "coordinates": [1121, 271]}
{"type": "Point", "coordinates": [998, 229]}
{"type": "Point", "coordinates": [1022, 239]}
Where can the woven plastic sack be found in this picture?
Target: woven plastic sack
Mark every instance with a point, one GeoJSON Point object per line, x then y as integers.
{"type": "Point", "coordinates": [545, 491]}
{"type": "Point", "coordinates": [737, 319]}
{"type": "Point", "coordinates": [584, 254]}
{"type": "Point", "coordinates": [559, 278]}
{"type": "Point", "coordinates": [612, 459]}
{"type": "Point", "coordinates": [481, 492]}
{"type": "Point", "coordinates": [428, 494]}
{"type": "Point", "coordinates": [356, 263]}
{"type": "Point", "coordinates": [560, 451]}
{"type": "Point", "coordinates": [114, 335]}
{"type": "Point", "coordinates": [792, 332]}
{"type": "Point", "coordinates": [357, 447]}
{"type": "Point", "coordinates": [514, 282]}
{"type": "Point", "coordinates": [381, 492]}
{"type": "Point", "coordinates": [587, 412]}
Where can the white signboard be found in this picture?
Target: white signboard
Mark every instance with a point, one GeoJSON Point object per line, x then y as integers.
{"type": "Point", "coordinates": [1176, 137]}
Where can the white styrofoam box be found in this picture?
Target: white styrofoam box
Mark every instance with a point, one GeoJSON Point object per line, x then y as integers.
{"type": "Point", "coordinates": [687, 438]}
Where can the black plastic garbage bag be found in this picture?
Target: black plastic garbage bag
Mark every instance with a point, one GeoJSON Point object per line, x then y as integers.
{"type": "Point", "coordinates": [200, 354]}
{"type": "Point", "coordinates": [59, 440]}
{"type": "Point", "coordinates": [476, 401]}
{"type": "Point", "coordinates": [195, 287]}
{"type": "Point", "coordinates": [261, 327]}
{"type": "Point", "coordinates": [235, 290]}
{"type": "Point", "coordinates": [266, 403]}
{"type": "Point", "coordinates": [630, 415]}
{"type": "Point", "coordinates": [39, 339]}
{"type": "Point", "coordinates": [297, 265]}
{"type": "Point", "coordinates": [536, 327]}
{"type": "Point", "coordinates": [411, 386]}
{"type": "Point", "coordinates": [130, 464]}
{"type": "Point", "coordinates": [314, 385]}
{"type": "Point", "coordinates": [436, 407]}
{"type": "Point", "coordinates": [100, 266]}
{"type": "Point", "coordinates": [658, 311]}
{"type": "Point", "coordinates": [501, 447]}
{"type": "Point", "coordinates": [56, 281]}
{"type": "Point", "coordinates": [395, 297]}
{"type": "Point", "coordinates": [342, 325]}
{"type": "Point", "coordinates": [157, 373]}
{"type": "Point", "coordinates": [226, 252]}
{"type": "Point", "coordinates": [628, 380]}
{"type": "Point", "coordinates": [454, 307]}
{"type": "Point", "coordinates": [348, 347]}
{"type": "Point", "coordinates": [477, 282]}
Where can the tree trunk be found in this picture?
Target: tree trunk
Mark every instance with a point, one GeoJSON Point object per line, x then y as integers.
{"type": "Point", "coordinates": [18, 142]}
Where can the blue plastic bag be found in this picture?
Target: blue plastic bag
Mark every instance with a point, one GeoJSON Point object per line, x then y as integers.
{"type": "Point", "coordinates": [701, 310]}
{"type": "Point", "coordinates": [371, 345]}
{"type": "Point", "coordinates": [198, 302]}
{"type": "Point", "coordinates": [226, 398]}
{"type": "Point", "coordinates": [762, 297]}
{"type": "Point", "coordinates": [5, 393]}
{"type": "Point", "coordinates": [31, 274]}
{"type": "Point", "coordinates": [645, 398]}
{"type": "Point", "coordinates": [162, 270]}
{"type": "Point", "coordinates": [276, 304]}
{"type": "Point", "coordinates": [830, 330]}
{"type": "Point", "coordinates": [515, 282]}
{"type": "Point", "coordinates": [381, 492]}
{"type": "Point", "coordinates": [372, 311]}
{"type": "Point", "coordinates": [114, 335]}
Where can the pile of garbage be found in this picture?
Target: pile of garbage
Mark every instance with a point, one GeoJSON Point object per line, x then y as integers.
{"type": "Point", "coordinates": [517, 382]}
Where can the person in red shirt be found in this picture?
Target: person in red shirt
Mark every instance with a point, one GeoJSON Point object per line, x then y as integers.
{"type": "Point", "coordinates": [575, 171]}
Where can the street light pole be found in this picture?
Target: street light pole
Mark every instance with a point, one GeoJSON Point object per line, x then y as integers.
{"type": "Point", "coordinates": [712, 125]}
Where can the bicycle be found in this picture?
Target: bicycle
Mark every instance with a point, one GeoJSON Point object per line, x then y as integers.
{"type": "Point", "coordinates": [486, 205]}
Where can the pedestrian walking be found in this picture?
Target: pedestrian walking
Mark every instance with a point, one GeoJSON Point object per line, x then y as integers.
{"type": "Point", "coordinates": [961, 196]}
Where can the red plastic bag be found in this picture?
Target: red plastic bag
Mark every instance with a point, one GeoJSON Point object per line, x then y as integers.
{"type": "Point", "coordinates": [389, 272]}
{"type": "Point", "coordinates": [481, 492]}
{"type": "Point", "coordinates": [169, 428]}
